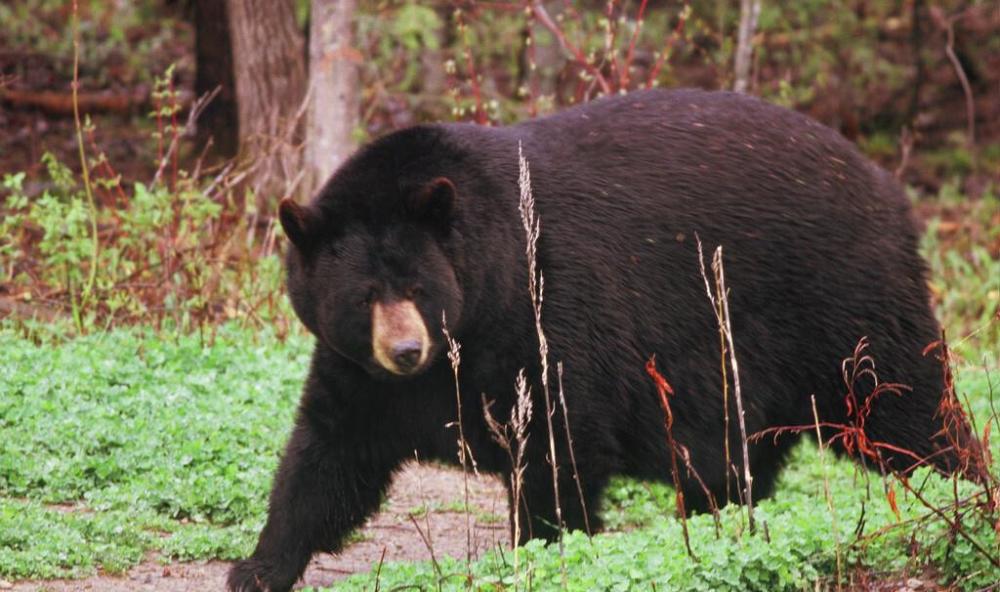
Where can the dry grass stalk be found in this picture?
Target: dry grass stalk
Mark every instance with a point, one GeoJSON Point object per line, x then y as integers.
{"type": "Point", "coordinates": [572, 455]}
{"type": "Point", "coordinates": [826, 491]}
{"type": "Point", "coordinates": [84, 170]}
{"type": "Point", "coordinates": [720, 307]}
{"type": "Point", "coordinates": [713, 505]}
{"type": "Point", "coordinates": [428, 543]}
{"type": "Point", "coordinates": [724, 372]}
{"type": "Point", "coordinates": [378, 569]}
{"type": "Point", "coordinates": [464, 453]}
{"type": "Point", "coordinates": [425, 535]}
{"type": "Point", "coordinates": [513, 438]}
{"type": "Point", "coordinates": [536, 287]}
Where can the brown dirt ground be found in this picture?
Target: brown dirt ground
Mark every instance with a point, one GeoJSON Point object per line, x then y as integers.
{"type": "Point", "coordinates": [392, 531]}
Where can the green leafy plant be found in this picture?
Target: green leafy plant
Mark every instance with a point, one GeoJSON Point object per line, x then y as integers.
{"type": "Point", "coordinates": [131, 434]}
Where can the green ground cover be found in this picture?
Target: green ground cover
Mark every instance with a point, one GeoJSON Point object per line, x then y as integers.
{"type": "Point", "coordinates": [114, 443]}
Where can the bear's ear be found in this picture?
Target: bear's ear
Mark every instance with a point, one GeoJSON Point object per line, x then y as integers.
{"type": "Point", "coordinates": [301, 223]}
{"type": "Point", "coordinates": [434, 201]}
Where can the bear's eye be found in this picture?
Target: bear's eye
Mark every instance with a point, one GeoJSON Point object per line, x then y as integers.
{"type": "Point", "coordinates": [414, 292]}
{"type": "Point", "coordinates": [369, 299]}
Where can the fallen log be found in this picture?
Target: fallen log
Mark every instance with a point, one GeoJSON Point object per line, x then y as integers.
{"type": "Point", "coordinates": [60, 103]}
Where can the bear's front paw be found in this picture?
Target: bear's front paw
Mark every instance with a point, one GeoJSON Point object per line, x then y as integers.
{"type": "Point", "coordinates": [251, 575]}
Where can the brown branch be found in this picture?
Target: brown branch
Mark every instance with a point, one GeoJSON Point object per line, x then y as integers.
{"type": "Point", "coordinates": [197, 107]}
{"type": "Point", "coordinates": [949, 49]}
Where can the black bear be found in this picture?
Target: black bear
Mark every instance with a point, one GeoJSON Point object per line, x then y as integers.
{"type": "Point", "coordinates": [820, 251]}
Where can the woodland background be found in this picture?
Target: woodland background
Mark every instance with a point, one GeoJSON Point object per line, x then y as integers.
{"type": "Point", "coordinates": [151, 363]}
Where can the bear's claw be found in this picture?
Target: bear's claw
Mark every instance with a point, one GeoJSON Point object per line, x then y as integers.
{"type": "Point", "coordinates": [251, 575]}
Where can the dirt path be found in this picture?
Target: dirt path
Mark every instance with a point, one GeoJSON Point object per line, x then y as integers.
{"type": "Point", "coordinates": [416, 489]}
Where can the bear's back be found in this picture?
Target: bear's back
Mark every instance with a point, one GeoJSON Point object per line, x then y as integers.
{"type": "Point", "coordinates": [820, 247]}
{"type": "Point", "coordinates": [721, 139]}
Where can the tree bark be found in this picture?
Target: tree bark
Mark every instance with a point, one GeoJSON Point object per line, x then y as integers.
{"type": "Point", "coordinates": [333, 80]}
{"type": "Point", "coordinates": [214, 69]}
{"type": "Point", "coordinates": [749, 11]}
{"type": "Point", "coordinates": [270, 76]}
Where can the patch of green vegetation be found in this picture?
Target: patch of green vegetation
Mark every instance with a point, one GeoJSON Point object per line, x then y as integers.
{"type": "Point", "coordinates": [47, 245]}
{"type": "Point", "coordinates": [879, 145]}
{"type": "Point", "coordinates": [630, 504]}
{"type": "Point", "coordinates": [120, 42]}
{"type": "Point", "coordinates": [140, 433]}
{"type": "Point", "coordinates": [954, 159]}
{"type": "Point", "coordinates": [961, 250]}
{"type": "Point", "coordinates": [39, 542]}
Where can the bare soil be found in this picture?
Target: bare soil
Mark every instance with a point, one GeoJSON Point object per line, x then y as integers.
{"type": "Point", "coordinates": [422, 513]}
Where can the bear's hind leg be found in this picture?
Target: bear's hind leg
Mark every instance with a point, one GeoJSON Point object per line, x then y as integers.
{"type": "Point", "coordinates": [767, 458]}
{"type": "Point", "coordinates": [537, 512]}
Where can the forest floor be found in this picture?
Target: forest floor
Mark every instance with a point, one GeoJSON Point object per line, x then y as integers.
{"type": "Point", "coordinates": [422, 519]}
{"type": "Point", "coordinates": [414, 524]}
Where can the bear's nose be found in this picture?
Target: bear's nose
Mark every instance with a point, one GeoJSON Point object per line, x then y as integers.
{"type": "Point", "coordinates": [406, 354]}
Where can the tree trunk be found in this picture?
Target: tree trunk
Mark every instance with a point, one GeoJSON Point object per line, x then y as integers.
{"type": "Point", "coordinates": [749, 11]}
{"type": "Point", "coordinates": [333, 80]}
{"type": "Point", "coordinates": [214, 69]}
{"type": "Point", "coordinates": [269, 67]}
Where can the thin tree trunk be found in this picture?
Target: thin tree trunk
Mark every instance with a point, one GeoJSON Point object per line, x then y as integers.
{"type": "Point", "coordinates": [749, 11]}
{"type": "Point", "coordinates": [920, 70]}
{"type": "Point", "coordinates": [270, 74]}
{"type": "Point", "coordinates": [214, 69]}
{"type": "Point", "coordinates": [333, 79]}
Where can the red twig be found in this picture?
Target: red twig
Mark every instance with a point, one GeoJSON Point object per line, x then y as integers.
{"type": "Point", "coordinates": [972, 458]}
{"type": "Point", "coordinates": [624, 74]}
{"type": "Point", "coordinates": [538, 10]}
{"type": "Point", "coordinates": [109, 172]}
{"type": "Point", "coordinates": [175, 132]}
{"type": "Point", "coordinates": [958, 429]}
{"type": "Point", "coordinates": [669, 47]}
{"type": "Point", "coordinates": [664, 390]}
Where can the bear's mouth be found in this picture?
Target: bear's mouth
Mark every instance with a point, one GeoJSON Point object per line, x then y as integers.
{"type": "Point", "coordinates": [401, 344]}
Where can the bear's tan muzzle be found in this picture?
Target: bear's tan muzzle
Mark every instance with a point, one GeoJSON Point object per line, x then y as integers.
{"type": "Point", "coordinates": [400, 342]}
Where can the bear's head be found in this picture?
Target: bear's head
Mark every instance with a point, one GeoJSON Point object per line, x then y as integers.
{"type": "Point", "coordinates": [371, 268]}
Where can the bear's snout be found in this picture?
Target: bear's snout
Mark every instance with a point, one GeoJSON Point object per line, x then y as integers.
{"type": "Point", "coordinates": [400, 342]}
{"type": "Point", "coordinates": [406, 354]}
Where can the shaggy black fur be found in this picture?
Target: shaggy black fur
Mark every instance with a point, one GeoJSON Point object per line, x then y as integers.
{"type": "Point", "coordinates": [820, 251]}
